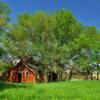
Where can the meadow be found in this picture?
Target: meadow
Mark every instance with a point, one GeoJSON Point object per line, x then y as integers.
{"type": "Point", "coordinates": [68, 90]}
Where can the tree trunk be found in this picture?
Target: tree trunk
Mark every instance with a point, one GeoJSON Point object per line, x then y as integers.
{"type": "Point", "coordinates": [86, 76]}
{"type": "Point", "coordinates": [45, 76]}
{"type": "Point", "coordinates": [97, 75]}
{"type": "Point", "coordinates": [70, 74]}
{"type": "Point", "coordinates": [92, 76]}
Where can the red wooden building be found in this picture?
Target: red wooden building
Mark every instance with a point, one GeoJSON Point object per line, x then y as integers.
{"type": "Point", "coordinates": [23, 73]}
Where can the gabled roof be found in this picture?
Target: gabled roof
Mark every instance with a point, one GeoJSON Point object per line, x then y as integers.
{"type": "Point", "coordinates": [16, 62]}
{"type": "Point", "coordinates": [29, 68]}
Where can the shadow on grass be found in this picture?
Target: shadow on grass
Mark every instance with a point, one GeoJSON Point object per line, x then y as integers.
{"type": "Point", "coordinates": [4, 86]}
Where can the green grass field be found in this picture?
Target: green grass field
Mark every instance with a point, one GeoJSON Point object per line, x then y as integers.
{"type": "Point", "coordinates": [69, 90]}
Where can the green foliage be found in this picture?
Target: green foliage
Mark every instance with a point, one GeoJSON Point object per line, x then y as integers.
{"type": "Point", "coordinates": [66, 27]}
{"type": "Point", "coordinates": [4, 12]}
{"type": "Point", "coordinates": [4, 65]}
{"type": "Point", "coordinates": [53, 38]}
{"type": "Point", "coordinates": [4, 19]}
{"type": "Point", "coordinates": [50, 32]}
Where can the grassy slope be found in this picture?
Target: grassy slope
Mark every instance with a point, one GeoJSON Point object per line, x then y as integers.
{"type": "Point", "coordinates": [69, 90]}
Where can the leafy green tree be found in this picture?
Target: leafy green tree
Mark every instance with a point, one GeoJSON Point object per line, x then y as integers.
{"type": "Point", "coordinates": [86, 46]}
{"type": "Point", "coordinates": [4, 18]}
{"type": "Point", "coordinates": [53, 40]}
{"type": "Point", "coordinates": [4, 12]}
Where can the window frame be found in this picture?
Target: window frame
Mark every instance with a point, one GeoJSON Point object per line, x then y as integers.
{"type": "Point", "coordinates": [27, 74]}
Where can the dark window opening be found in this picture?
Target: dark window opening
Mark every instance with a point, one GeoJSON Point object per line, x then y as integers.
{"type": "Point", "coordinates": [19, 77]}
{"type": "Point", "coordinates": [27, 74]}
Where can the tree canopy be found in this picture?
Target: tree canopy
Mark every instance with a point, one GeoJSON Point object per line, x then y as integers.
{"type": "Point", "coordinates": [51, 39]}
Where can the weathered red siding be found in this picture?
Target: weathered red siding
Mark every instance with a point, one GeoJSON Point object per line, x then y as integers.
{"type": "Point", "coordinates": [13, 75]}
{"type": "Point", "coordinates": [28, 79]}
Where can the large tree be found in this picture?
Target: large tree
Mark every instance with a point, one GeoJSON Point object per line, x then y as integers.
{"type": "Point", "coordinates": [53, 40]}
{"type": "Point", "coordinates": [4, 19]}
{"type": "Point", "coordinates": [4, 12]}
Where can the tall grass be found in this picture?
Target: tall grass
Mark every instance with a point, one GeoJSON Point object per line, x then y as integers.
{"type": "Point", "coordinates": [69, 90]}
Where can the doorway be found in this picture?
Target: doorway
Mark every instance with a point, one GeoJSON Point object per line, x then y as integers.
{"type": "Point", "coordinates": [19, 77]}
